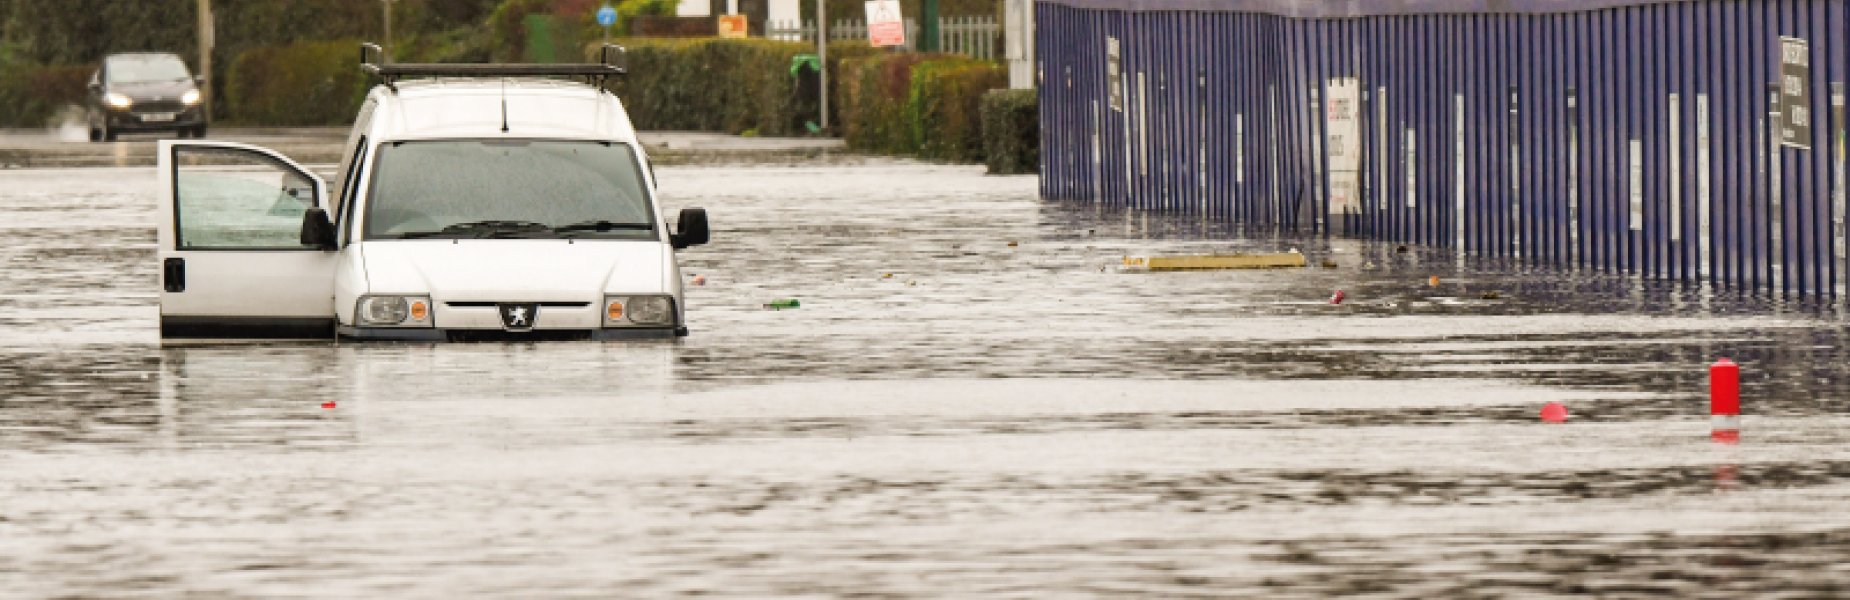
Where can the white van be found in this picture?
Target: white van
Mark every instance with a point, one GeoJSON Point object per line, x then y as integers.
{"type": "Point", "coordinates": [473, 202]}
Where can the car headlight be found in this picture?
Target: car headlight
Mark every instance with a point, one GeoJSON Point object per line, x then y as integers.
{"type": "Point", "coordinates": [191, 97]}
{"type": "Point", "coordinates": [393, 311]}
{"type": "Point", "coordinates": [118, 100]}
{"type": "Point", "coordinates": [655, 311]}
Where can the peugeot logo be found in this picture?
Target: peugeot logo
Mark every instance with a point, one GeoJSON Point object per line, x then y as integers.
{"type": "Point", "coordinates": [518, 317]}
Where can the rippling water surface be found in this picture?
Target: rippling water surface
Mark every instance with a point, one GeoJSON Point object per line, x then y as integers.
{"type": "Point", "coordinates": [976, 399]}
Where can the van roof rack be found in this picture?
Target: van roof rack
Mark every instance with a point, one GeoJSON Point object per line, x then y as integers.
{"type": "Point", "coordinates": [594, 73]}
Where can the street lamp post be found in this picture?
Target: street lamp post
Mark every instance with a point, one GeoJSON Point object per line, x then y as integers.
{"type": "Point", "coordinates": [388, 30]}
{"type": "Point", "coordinates": [205, 57]}
{"type": "Point", "coordinates": [822, 56]}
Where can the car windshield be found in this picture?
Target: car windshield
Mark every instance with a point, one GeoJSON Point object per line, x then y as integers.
{"type": "Point", "coordinates": [146, 69]}
{"type": "Point", "coordinates": [507, 189]}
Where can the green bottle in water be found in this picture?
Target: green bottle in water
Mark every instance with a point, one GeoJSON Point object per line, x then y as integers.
{"type": "Point", "coordinates": [783, 304]}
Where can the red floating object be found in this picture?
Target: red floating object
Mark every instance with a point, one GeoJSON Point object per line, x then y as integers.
{"type": "Point", "coordinates": [1337, 298]}
{"type": "Point", "coordinates": [327, 405]}
{"type": "Point", "coordinates": [1554, 412]}
{"type": "Point", "coordinates": [1725, 402]}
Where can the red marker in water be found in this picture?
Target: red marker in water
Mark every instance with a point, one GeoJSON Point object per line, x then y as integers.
{"type": "Point", "coordinates": [1337, 298]}
{"type": "Point", "coordinates": [1554, 412]}
{"type": "Point", "coordinates": [1725, 402]}
{"type": "Point", "coordinates": [327, 405]}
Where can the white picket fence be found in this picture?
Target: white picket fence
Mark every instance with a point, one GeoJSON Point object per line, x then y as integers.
{"type": "Point", "coordinates": [973, 36]}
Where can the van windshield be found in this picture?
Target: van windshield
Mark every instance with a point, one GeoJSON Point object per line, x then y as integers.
{"type": "Point", "coordinates": [507, 189]}
{"type": "Point", "coordinates": [146, 69]}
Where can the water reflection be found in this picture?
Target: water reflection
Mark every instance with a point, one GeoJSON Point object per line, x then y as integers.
{"type": "Point", "coordinates": [1011, 412]}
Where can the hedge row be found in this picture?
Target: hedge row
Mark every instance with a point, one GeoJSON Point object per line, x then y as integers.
{"type": "Point", "coordinates": [918, 104]}
{"type": "Point", "coordinates": [732, 86]}
{"type": "Point", "coordinates": [31, 96]}
{"type": "Point", "coordinates": [311, 83]}
{"type": "Point", "coordinates": [1012, 132]}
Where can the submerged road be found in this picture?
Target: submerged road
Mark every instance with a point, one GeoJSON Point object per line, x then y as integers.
{"type": "Point", "coordinates": [976, 399]}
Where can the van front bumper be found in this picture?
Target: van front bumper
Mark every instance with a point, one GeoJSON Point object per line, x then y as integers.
{"type": "Point", "coordinates": [419, 334]}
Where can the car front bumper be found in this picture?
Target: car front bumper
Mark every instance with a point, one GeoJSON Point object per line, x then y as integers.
{"type": "Point", "coordinates": [132, 119]}
{"type": "Point", "coordinates": [418, 334]}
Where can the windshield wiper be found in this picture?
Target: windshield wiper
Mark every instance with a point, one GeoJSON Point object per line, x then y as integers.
{"type": "Point", "coordinates": [603, 226]}
{"type": "Point", "coordinates": [482, 229]}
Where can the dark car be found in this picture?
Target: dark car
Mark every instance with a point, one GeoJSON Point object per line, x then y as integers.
{"type": "Point", "coordinates": [144, 92]}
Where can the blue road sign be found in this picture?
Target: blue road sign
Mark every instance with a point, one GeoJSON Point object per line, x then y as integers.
{"type": "Point", "coordinates": [606, 16]}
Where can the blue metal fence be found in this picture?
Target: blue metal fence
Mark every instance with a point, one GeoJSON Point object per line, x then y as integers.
{"type": "Point", "coordinates": [1636, 136]}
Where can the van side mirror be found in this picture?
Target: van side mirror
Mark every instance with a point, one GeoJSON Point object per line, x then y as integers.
{"type": "Point", "coordinates": [317, 230]}
{"type": "Point", "coordinates": [691, 230]}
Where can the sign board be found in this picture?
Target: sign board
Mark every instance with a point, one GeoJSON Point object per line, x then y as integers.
{"type": "Point", "coordinates": [732, 26]}
{"type": "Point", "coordinates": [1343, 127]}
{"type": "Point", "coordinates": [606, 16]}
{"type": "Point", "coordinates": [885, 25]}
{"type": "Point", "coordinates": [1114, 74]}
{"type": "Point", "coordinates": [1795, 93]}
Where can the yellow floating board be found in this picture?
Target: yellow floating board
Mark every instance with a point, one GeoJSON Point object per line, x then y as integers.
{"type": "Point", "coordinates": [1223, 261]}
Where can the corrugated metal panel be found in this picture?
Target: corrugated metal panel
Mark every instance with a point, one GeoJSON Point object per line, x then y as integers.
{"type": "Point", "coordinates": [1634, 138]}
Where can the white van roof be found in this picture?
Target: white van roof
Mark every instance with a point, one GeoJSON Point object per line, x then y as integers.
{"type": "Point", "coordinates": [474, 108]}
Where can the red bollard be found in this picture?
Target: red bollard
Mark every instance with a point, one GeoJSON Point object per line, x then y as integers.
{"type": "Point", "coordinates": [1725, 402]}
{"type": "Point", "coordinates": [1337, 298]}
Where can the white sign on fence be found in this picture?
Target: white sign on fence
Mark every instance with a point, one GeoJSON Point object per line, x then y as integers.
{"type": "Point", "coordinates": [1114, 75]}
{"type": "Point", "coordinates": [1343, 127]}
{"type": "Point", "coordinates": [885, 26]}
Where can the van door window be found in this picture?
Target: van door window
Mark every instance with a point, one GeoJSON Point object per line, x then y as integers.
{"type": "Point", "coordinates": [228, 199]}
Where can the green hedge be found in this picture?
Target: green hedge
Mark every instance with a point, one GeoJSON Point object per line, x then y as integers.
{"type": "Point", "coordinates": [1012, 132]}
{"type": "Point", "coordinates": [944, 109]}
{"type": "Point", "coordinates": [873, 98]}
{"type": "Point", "coordinates": [31, 96]}
{"type": "Point", "coordinates": [310, 83]}
{"type": "Point", "coordinates": [917, 104]}
{"type": "Point", "coordinates": [709, 84]}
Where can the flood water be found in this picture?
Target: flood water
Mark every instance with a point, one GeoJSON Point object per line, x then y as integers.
{"type": "Point", "coordinates": [975, 399]}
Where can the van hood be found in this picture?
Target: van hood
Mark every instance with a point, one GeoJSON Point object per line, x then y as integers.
{"type": "Point", "coordinates": [514, 270]}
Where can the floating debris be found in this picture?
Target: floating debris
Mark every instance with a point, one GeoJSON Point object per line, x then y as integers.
{"type": "Point", "coordinates": [1221, 261]}
{"type": "Point", "coordinates": [1554, 412]}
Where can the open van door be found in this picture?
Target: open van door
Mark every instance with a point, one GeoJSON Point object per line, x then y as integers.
{"type": "Point", "coordinates": [233, 259]}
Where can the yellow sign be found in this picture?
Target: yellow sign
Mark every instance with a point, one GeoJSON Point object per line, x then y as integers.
{"type": "Point", "coordinates": [732, 26]}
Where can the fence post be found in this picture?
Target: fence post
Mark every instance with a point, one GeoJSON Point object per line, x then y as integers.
{"type": "Point", "coordinates": [929, 14]}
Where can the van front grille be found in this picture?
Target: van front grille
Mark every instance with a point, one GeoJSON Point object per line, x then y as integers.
{"type": "Point", "coordinates": [492, 304]}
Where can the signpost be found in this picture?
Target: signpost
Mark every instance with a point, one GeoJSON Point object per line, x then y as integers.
{"type": "Point", "coordinates": [606, 16]}
{"type": "Point", "coordinates": [885, 25]}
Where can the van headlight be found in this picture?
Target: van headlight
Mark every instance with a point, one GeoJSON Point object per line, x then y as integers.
{"type": "Point", "coordinates": [651, 311]}
{"type": "Point", "coordinates": [393, 311]}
